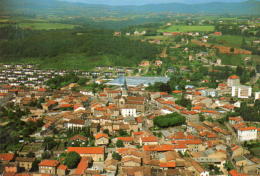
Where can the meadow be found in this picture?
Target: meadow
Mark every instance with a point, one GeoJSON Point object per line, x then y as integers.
{"type": "Point", "coordinates": [46, 26]}
{"type": "Point", "coordinates": [186, 28]}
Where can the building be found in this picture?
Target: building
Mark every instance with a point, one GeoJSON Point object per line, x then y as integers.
{"type": "Point", "coordinates": [25, 163]}
{"type": "Point", "coordinates": [48, 166]}
{"type": "Point", "coordinates": [96, 153]}
{"type": "Point", "coordinates": [233, 80]}
{"type": "Point", "coordinates": [75, 123]}
{"type": "Point", "coordinates": [247, 134]}
{"type": "Point", "coordinates": [257, 95]}
{"type": "Point", "coordinates": [101, 139]}
{"type": "Point", "coordinates": [128, 112]}
{"type": "Point", "coordinates": [241, 91]}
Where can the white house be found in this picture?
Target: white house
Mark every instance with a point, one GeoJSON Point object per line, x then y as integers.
{"type": "Point", "coordinates": [204, 173]}
{"type": "Point", "coordinates": [75, 123]}
{"type": "Point", "coordinates": [128, 112]}
{"type": "Point", "coordinates": [257, 95]}
{"type": "Point", "coordinates": [233, 81]}
{"type": "Point", "coordinates": [247, 134]}
{"type": "Point", "coordinates": [241, 91]}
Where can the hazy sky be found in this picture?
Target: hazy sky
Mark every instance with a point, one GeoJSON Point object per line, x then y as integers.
{"type": "Point", "coordinates": [141, 2]}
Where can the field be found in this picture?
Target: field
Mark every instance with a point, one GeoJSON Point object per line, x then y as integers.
{"type": "Point", "coordinates": [230, 40]}
{"type": "Point", "coordinates": [70, 61]}
{"type": "Point", "coordinates": [183, 28]}
{"type": "Point", "coordinates": [46, 26]}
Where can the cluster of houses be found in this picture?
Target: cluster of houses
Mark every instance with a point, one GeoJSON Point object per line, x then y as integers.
{"type": "Point", "coordinates": [120, 121]}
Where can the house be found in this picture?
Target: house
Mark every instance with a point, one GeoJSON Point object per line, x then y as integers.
{"type": "Point", "coordinates": [241, 91]}
{"type": "Point", "coordinates": [149, 140]}
{"type": "Point", "coordinates": [158, 63]}
{"type": "Point", "coordinates": [82, 166]}
{"type": "Point", "coordinates": [79, 139]}
{"type": "Point", "coordinates": [167, 165]}
{"type": "Point", "coordinates": [62, 170]}
{"type": "Point", "coordinates": [131, 162]}
{"type": "Point", "coordinates": [111, 165]}
{"type": "Point", "coordinates": [126, 140]}
{"type": "Point", "coordinates": [238, 151]}
{"type": "Point", "coordinates": [128, 111]}
{"type": "Point", "coordinates": [96, 153]}
{"type": "Point", "coordinates": [48, 166]}
{"type": "Point", "coordinates": [236, 173]}
{"type": "Point", "coordinates": [233, 80]}
{"type": "Point", "coordinates": [101, 139]}
{"type": "Point", "coordinates": [145, 64]}
{"type": "Point", "coordinates": [25, 162]}
{"type": "Point", "coordinates": [5, 158]}
{"type": "Point", "coordinates": [75, 123]}
{"type": "Point", "coordinates": [247, 134]}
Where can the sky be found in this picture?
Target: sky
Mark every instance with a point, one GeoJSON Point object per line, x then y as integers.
{"type": "Point", "coordinates": [142, 2]}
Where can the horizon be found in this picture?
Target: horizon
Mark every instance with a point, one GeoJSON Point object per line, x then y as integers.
{"type": "Point", "coordinates": [147, 2]}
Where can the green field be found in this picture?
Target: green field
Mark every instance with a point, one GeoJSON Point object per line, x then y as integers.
{"type": "Point", "coordinates": [46, 26]}
{"type": "Point", "coordinates": [183, 28]}
{"type": "Point", "coordinates": [230, 40]}
{"type": "Point", "coordinates": [71, 61]}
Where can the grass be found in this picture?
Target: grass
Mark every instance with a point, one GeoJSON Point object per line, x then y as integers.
{"type": "Point", "coordinates": [232, 59]}
{"type": "Point", "coordinates": [70, 61]}
{"type": "Point", "coordinates": [46, 26]}
{"type": "Point", "coordinates": [186, 28]}
{"type": "Point", "coordinates": [230, 40]}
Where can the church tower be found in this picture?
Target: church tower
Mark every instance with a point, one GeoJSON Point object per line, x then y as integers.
{"type": "Point", "coordinates": [124, 88]}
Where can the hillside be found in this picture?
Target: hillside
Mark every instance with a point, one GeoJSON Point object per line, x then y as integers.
{"type": "Point", "coordinates": [55, 7]}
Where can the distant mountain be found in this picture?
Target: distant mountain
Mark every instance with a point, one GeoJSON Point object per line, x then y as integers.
{"type": "Point", "coordinates": [145, 2]}
{"type": "Point", "coordinates": [55, 7]}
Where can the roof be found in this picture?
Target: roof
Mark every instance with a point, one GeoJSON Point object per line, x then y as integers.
{"type": "Point", "coordinates": [78, 137]}
{"type": "Point", "coordinates": [235, 173]}
{"type": "Point", "coordinates": [163, 147]}
{"type": "Point", "coordinates": [82, 166]}
{"type": "Point", "coordinates": [233, 77]}
{"type": "Point", "coordinates": [149, 139]}
{"type": "Point", "coordinates": [168, 164]}
{"type": "Point", "coordinates": [24, 159]}
{"type": "Point", "coordinates": [125, 139]}
{"type": "Point", "coordinates": [50, 163]}
{"type": "Point", "coordinates": [101, 135]}
{"type": "Point", "coordinates": [6, 156]}
{"type": "Point", "coordinates": [62, 167]}
{"type": "Point", "coordinates": [247, 128]}
{"type": "Point", "coordinates": [87, 150]}
{"type": "Point", "coordinates": [77, 121]}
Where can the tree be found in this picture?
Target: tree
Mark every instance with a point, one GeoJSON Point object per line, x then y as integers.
{"type": "Point", "coordinates": [169, 120]}
{"type": "Point", "coordinates": [72, 159]}
{"type": "Point", "coordinates": [49, 143]}
{"type": "Point", "coordinates": [119, 143]}
{"type": "Point", "coordinates": [116, 156]}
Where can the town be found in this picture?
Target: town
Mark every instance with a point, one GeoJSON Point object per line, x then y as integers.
{"type": "Point", "coordinates": [140, 90]}
{"type": "Point", "coordinates": [120, 126]}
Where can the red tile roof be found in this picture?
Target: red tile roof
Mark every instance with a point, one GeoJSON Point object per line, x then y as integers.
{"type": "Point", "coordinates": [149, 139]}
{"type": "Point", "coordinates": [126, 139]}
{"type": "Point", "coordinates": [101, 135]}
{"type": "Point", "coordinates": [50, 163]}
{"type": "Point", "coordinates": [235, 173]}
{"type": "Point", "coordinates": [6, 156]}
{"type": "Point", "coordinates": [78, 137]}
{"type": "Point", "coordinates": [161, 148]}
{"type": "Point", "coordinates": [233, 77]}
{"type": "Point", "coordinates": [247, 128]}
{"type": "Point", "coordinates": [62, 167]}
{"type": "Point", "coordinates": [87, 150]}
{"type": "Point", "coordinates": [168, 164]}
{"type": "Point", "coordinates": [177, 91]}
{"type": "Point", "coordinates": [82, 166]}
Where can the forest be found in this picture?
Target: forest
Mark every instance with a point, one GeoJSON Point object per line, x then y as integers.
{"type": "Point", "coordinates": [19, 43]}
